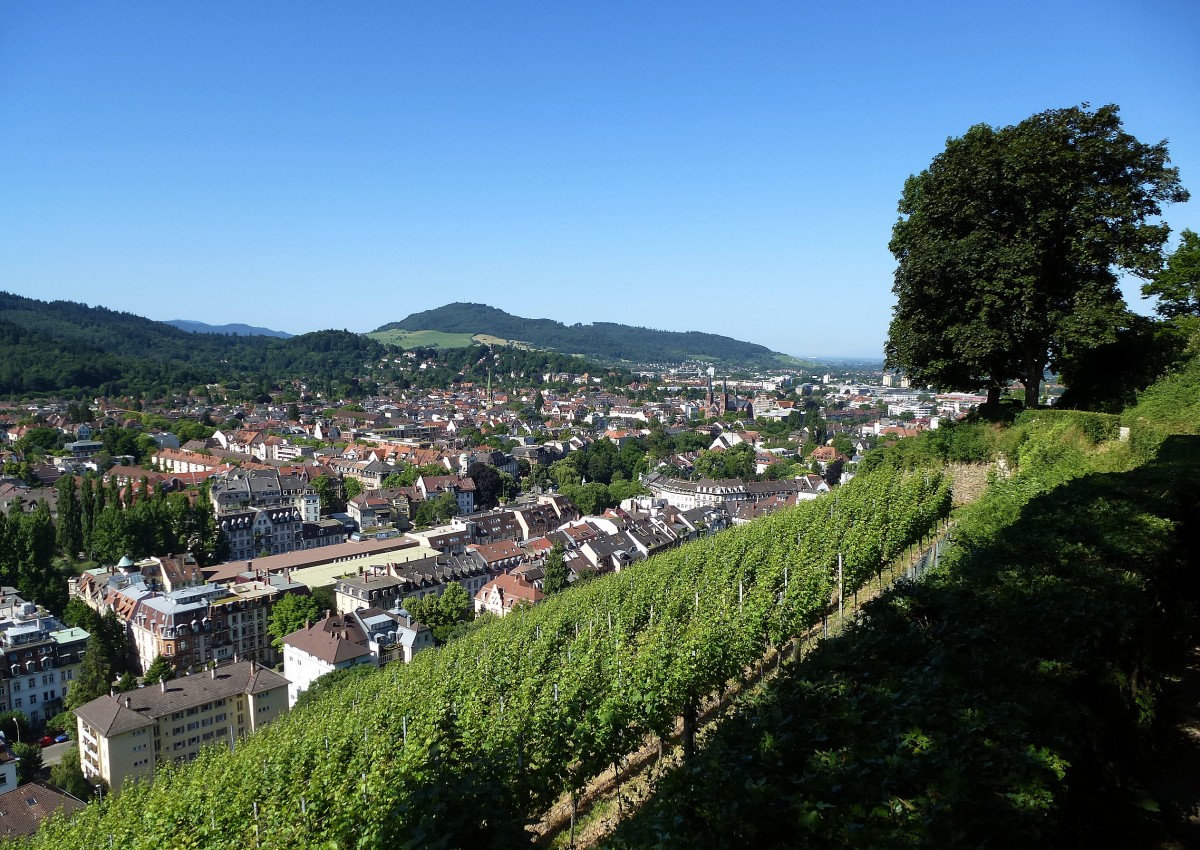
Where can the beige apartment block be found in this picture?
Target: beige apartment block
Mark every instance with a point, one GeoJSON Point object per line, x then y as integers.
{"type": "Point", "coordinates": [123, 736]}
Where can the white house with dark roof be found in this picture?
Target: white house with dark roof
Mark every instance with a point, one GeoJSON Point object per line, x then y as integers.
{"type": "Point", "coordinates": [334, 643]}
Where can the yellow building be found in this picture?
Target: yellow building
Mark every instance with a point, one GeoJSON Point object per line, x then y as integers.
{"type": "Point", "coordinates": [123, 736]}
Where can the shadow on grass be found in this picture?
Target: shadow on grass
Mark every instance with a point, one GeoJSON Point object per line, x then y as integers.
{"type": "Point", "coordinates": [1011, 699]}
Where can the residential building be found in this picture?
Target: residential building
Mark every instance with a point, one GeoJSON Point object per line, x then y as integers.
{"type": "Point", "coordinates": [8, 765]}
{"type": "Point", "coordinates": [393, 635]}
{"type": "Point", "coordinates": [504, 593]}
{"type": "Point", "coordinates": [23, 809]}
{"type": "Point", "coordinates": [40, 658]}
{"type": "Point", "coordinates": [334, 642]}
{"type": "Point", "coordinates": [389, 585]}
{"type": "Point", "coordinates": [125, 736]}
{"type": "Point", "coordinates": [262, 531]}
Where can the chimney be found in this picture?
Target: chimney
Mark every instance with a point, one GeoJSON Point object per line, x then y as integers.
{"type": "Point", "coordinates": [212, 671]}
{"type": "Point", "coordinates": [129, 702]}
{"type": "Point", "coordinates": [162, 683]}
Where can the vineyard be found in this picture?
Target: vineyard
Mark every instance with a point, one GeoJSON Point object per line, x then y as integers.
{"type": "Point", "coordinates": [1018, 696]}
{"type": "Point", "coordinates": [468, 744]}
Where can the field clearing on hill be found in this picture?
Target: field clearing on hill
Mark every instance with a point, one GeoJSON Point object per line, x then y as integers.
{"type": "Point", "coordinates": [422, 339]}
{"type": "Point", "coordinates": [441, 339]}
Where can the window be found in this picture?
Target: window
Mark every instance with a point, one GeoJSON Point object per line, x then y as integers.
{"type": "Point", "coordinates": [193, 726]}
{"type": "Point", "coordinates": [33, 681]}
{"type": "Point", "coordinates": [191, 712]}
{"type": "Point", "coordinates": [33, 699]}
{"type": "Point", "coordinates": [178, 730]}
{"type": "Point", "coordinates": [220, 718]}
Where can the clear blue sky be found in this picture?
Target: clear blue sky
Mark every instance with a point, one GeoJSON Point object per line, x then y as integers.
{"type": "Point", "coordinates": [731, 167]}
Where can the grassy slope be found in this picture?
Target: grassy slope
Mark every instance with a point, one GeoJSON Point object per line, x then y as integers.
{"type": "Point", "coordinates": [422, 339]}
{"type": "Point", "coordinates": [1011, 699]}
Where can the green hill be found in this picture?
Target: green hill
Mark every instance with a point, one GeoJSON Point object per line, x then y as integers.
{"type": "Point", "coordinates": [601, 340]}
{"type": "Point", "coordinates": [71, 348]}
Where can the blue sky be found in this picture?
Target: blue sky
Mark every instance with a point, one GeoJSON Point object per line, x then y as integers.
{"type": "Point", "coordinates": [726, 167]}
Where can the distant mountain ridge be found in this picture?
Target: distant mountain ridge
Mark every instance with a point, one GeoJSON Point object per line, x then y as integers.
{"type": "Point", "coordinates": [235, 328]}
{"type": "Point", "coordinates": [602, 340]}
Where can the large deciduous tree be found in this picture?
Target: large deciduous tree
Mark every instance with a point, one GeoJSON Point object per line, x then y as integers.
{"type": "Point", "coordinates": [1010, 243]}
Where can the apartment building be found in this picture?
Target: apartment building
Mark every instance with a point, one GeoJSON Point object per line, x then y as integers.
{"type": "Point", "coordinates": [39, 658]}
{"type": "Point", "coordinates": [387, 586]}
{"type": "Point", "coordinates": [193, 625]}
{"type": "Point", "coordinates": [126, 736]}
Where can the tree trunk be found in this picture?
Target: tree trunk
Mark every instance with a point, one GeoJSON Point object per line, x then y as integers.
{"type": "Point", "coordinates": [993, 395]}
{"type": "Point", "coordinates": [1033, 388]}
{"type": "Point", "coordinates": [1035, 367]}
{"type": "Point", "coordinates": [689, 728]}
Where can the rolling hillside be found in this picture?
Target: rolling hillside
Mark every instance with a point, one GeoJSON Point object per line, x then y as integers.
{"type": "Point", "coordinates": [66, 347]}
{"type": "Point", "coordinates": [601, 340]}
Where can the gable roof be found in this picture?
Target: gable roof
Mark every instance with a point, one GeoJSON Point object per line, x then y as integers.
{"type": "Point", "coordinates": [23, 809]}
{"type": "Point", "coordinates": [333, 640]}
{"type": "Point", "coordinates": [114, 714]}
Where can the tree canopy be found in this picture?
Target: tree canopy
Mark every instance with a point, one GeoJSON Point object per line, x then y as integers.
{"type": "Point", "coordinates": [1178, 284]}
{"type": "Point", "coordinates": [289, 614]}
{"type": "Point", "coordinates": [1010, 242]}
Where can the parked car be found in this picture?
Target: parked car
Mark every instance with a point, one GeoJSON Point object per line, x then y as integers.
{"type": "Point", "coordinates": [62, 739]}
{"type": "Point", "coordinates": [45, 741]}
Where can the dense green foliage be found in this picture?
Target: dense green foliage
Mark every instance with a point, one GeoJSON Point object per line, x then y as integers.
{"type": "Point", "coordinates": [460, 746]}
{"type": "Point", "coordinates": [1007, 700]}
{"type": "Point", "coordinates": [27, 544]}
{"type": "Point", "coordinates": [289, 614]}
{"type": "Point", "coordinates": [1010, 244]}
{"type": "Point", "coordinates": [30, 764]}
{"type": "Point", "coordinates": [1177, 285]}
{"type": "Point", "coordinates": [505, 365]}
{"type": "Point", "coordinates": [68, 776]}
{"type": "Point", "coordinates": [604, 340]}
{"type": "Point", "coordinates": [63, 346]}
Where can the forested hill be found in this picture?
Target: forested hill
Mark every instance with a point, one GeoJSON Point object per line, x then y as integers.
{"type": "Point", "coordinates": [601, 340]}
{"type": "Point", "coordinates": [66, 347]}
